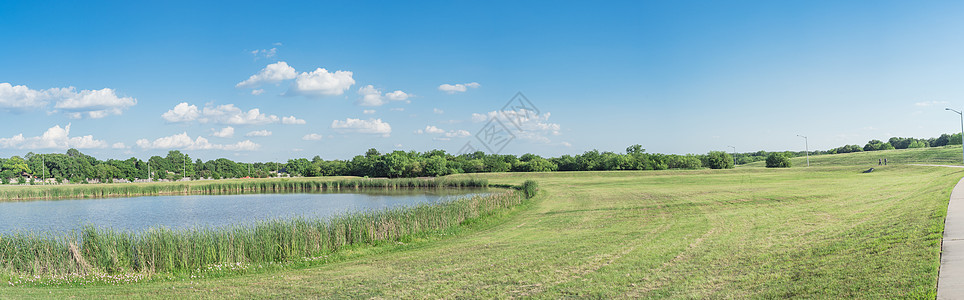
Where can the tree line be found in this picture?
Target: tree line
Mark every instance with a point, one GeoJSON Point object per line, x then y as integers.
{"type": "Point", "coordinates": [76, 167]}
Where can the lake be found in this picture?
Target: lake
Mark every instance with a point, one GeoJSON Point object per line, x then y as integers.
{"type": "Point", "coordinates": [188, 211]}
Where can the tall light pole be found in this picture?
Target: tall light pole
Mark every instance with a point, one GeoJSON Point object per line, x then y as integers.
{"type": "Point", "coordinates": [806, 142]}
{"type": "Point", "coordinates": [734, 155]}
{"type": "Point", "coordinates": [962, 128]}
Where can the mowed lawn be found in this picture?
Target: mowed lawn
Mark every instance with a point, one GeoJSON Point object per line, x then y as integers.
{"type": "Point", "coordinates": [821, 232]}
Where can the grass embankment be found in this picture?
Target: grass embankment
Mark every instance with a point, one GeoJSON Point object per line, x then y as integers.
{"type": "Point", "coordinates": [271, 185]}
{"type": "Point", "coordinates": [819, 232]}
{"type": "Point", "coordinates": [101, 251]}
{"type": "Point", "coordinates": [947, 155]}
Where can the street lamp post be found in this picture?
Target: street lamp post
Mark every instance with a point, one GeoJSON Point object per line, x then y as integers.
{"type": "Point", "coordinates": [734, 154]}
{"type": "Point", "coordinates": [962, 128]}
{"type": "Point", "coordinates": [806, 142]}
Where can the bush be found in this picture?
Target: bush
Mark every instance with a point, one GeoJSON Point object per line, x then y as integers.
{"type": "Point", "coordinates": [683, 162]}
{"type": "Point", "coordinates": [778, 160]}
{"type": "Point", "coordinates": [719, 160]}
{"type": "Point", "coordinates": [530, 187]}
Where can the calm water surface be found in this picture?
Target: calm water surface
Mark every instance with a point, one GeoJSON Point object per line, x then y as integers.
{"type": "Point", "coordinates": [140, 213]}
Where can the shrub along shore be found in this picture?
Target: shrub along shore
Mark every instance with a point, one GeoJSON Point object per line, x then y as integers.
{"type": "Point", "coordinates": [97, 251]}
{"type": "Point", "coordinates": [233, 186]}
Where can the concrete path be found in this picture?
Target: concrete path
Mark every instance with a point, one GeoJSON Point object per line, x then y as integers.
{"type": "Point", "coordinates": [950, 279]}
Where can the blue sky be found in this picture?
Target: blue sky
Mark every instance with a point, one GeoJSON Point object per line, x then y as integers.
{"type": "Point", "coordinates": [676, 77]}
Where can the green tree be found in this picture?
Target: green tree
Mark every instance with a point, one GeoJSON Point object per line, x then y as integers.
{"type": "Point", "coordinates": [16, 165]}
{"type": "Point", "coordinates": [778, 160]}
{"type": "Point", "coordinates": [719, 160]}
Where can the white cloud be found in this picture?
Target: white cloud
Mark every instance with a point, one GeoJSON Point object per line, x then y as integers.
{"type": "Point", "coordinates": [372, 96]}
{"type": "Point", "coordinates": [458, 87]}
{"type": "Point", "coordinates": [21, 97]}
{"type": "Point", "coordinates": [183, 141]}
{"type": "Point", "coordinates": [90, 103]}
{"type": "Point", "coordinates": [245, 145]}
{"type": "Point", "coordinates": [312, 137]}
{"type": "Point", "coordinates": [368, 111]}
{"type": "Point", "coordinates": [930, 103]}
{"type": "Point", "coordinates": [438, 111]}
{"type": "Point", "coordinates": [322, 83]}
{"type": "Point", "coordinates": [479, 117]}
{"type": "Point", "coordinates": [86, 103]}
{"type": "Point", "coordinates": [272, 73]}
{"type": "Point", "coordinates": [442, 133]}
{"type": "Point", "coordinates": [292, 121]}
{"type": "Point", "coordinates": [54, 138]}
{"type": "Point", "coordinates": [397, 109]}
{"type": "Point", "coordinates": [531, 126]}
{"type": "Point", "coordinates": [259, 133]}
{"type": "Point", "coordinates": [182, 112]}
{"type": "Point", "coordinates": [567, 144]}
{"type": "Point", "coordinates": [227, 114]}
{"type": "Point", "coordinates": [266, 53]}
{"type": "Point", "coordinates": [370, 126]}
{"type": "Point", "coordinates": [118, 146]}
{"type": "Point", "coordinates": [398, 96]}
{"type": "Point", "coordinates": [225, 132]}
{"type": "Point", "coordinates": [433, 129]}
{"type": "Point", "coordinates": [257, 92]}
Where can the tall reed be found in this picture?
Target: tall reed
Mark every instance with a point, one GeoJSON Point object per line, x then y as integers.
{"type": "Point", "coordinates": [105, 251]}
{"type": "Point", "coordinates": [228, 186]}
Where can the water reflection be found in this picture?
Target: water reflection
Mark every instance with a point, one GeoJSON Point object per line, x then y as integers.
{"type": "Point", "coordinates": [140, 213]}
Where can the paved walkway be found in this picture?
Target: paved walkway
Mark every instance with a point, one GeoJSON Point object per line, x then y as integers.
{"type": "Point", "coordinates": [950, 279]}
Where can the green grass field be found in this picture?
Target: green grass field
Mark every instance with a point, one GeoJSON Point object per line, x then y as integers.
{"type": "Point", "coordinates": [828, 231]}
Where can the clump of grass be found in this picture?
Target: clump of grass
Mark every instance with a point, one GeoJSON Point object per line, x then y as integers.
{"type": "Point", "coordinates": [160, 250]}
{"type": "Point", "coordinates": [231, 186]}
{"type": "Point", "coordinates": [530, 188]}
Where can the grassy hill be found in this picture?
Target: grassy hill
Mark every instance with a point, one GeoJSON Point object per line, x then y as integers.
{"type": "Point", "coordinates": [948, 155]}
{"type": "Point", "coordinates": [827, 231]}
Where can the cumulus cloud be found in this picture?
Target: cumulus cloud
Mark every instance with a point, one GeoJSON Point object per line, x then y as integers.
{"type": "Point", "coordinates": [368, 111]}
{"type": "Point", "coordinates": [458, 87]}
{"type": "Point", "coordinates": [257, 92]}
{"type": "Point", "coordinates": [292, 120]}
{"type": "Point", "coordinates": [54, 138]}
{"type": "Point", "coordinates": [259, 133]}
{"type": "Point", "coordinates": [272, 73]}
{"type": "Point", "coordinates": [438, 111]}
{"type": "Point", "coordinates": [370, 126]}
{"type": "Point", "coordinates": [312, 137]}
{"type": "Point", "coordinates": [227, 114]}
{"type": "Point", "coordinates": [85, 103]}
{"type": "Point", "coordinates": [372, 96]}
{"type": "Point", "coordinates": [118, 146]}
{"type": "Point", "coordinates": [442, 134]}
{"type": "Point", "coordinates": [530, 125]}
{"type": "Point", "coordinates": [398, 96]}
{"type": "Point", "coordinates": [184, 141]}
{"type": "Point", "coordinates": [21, 97]}
{"type": "Point", "coordinates": [322, 83]}
{"type": "Point", "coordinates": [225, 132]}
{"type": "Point", "coordinates": [182, 112]}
